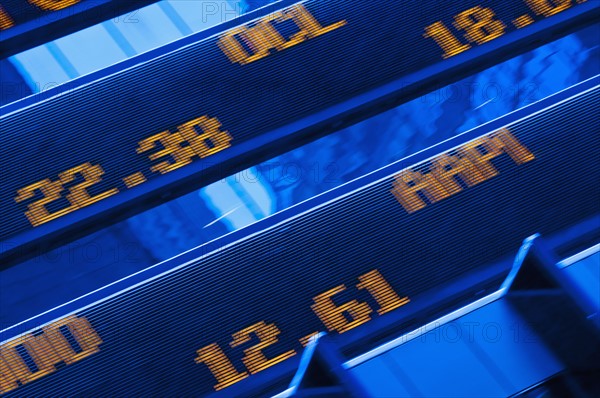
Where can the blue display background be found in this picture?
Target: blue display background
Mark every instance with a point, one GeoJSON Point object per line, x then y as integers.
{"type": "Point", "coordinates": [443, 257]}
{"type": "Point", "coordinates": [253, 103]}
{"type": "Point", "coordinates": [53, 278]}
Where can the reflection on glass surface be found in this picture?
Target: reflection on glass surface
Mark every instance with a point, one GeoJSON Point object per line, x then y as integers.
{"type": "Point", "coordinates": [123, 37]}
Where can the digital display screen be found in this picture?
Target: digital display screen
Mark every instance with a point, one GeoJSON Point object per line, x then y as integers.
{"type": "Point", "coordinates": [25, 24]}
{"type": "Point", "coordinates": [181, 119]}
{"type": "Point", "coordinates": [381, 246]}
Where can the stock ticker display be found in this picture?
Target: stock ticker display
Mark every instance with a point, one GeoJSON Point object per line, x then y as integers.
{"type": "Point", "coordinates": [183, 117]}
{"type": "Point", "coordinates": [249, 302]}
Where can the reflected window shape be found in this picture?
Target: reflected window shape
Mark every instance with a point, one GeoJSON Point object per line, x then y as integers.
{"type": "Point", "coordinates": [117, 39]}
{"type": "Point", "coordinates": [145, 29]}
{"type": "Point", "coordinates": [250, 188]}
{"type": "Point", "coordinates": [89, 50]}
{"type": "Point", "coordinates": [226, 205]}
{"type": "Point", "coordinates": [39, 68]}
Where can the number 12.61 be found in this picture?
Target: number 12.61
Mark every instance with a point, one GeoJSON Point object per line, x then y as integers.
{"type": "Point", "coordinates": [336, 318]}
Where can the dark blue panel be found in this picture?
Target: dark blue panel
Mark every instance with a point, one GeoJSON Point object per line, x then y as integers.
{"type": "Point", "coordinates": [276, 102]}
{"type": "Point", "coordinates": [379, 379]}
{"type": "Point", "coordinates": [443, 366]}
{"type": "Point", "coordinates": [506, 344]}
{"type": "Point", "coordinates": [585, 274]}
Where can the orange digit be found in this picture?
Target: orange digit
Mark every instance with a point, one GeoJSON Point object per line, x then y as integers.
{"type": "Point", "coordinates": [5, 20]}
{"type": "Point", "coordinates": [202, 130]}
{"type": "Point", "coordinates": [172, 147]}
{"type": "Point", "coordinates": [255, 360]}
{"type": "Point", "coordinates": [37, 213]}
{"type": "Point", "coordinates": [445, 39]}
{"type": "Point", "coordinates": [333, 316]}
{"type": "Point", "coordinates": [381, 291]}
{"type": "Point", "coordinates": [54, 5]}
{"type": "Point", "coordinates": [548, 8]}
{"type": "Point", "coordinates": [479, 24]}
{"type": "Point", "coordinates": [220, 366]}
{"type": "Point", "coordinates": [78, 195]}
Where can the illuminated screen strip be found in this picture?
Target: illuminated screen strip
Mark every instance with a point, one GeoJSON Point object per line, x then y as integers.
{"type": "Point", "coordinates": [422, 236]}
{"type": "Point", "coordinates": [202, 109]}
